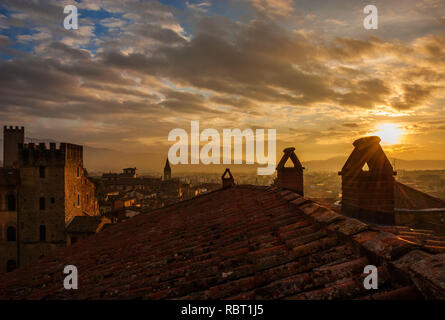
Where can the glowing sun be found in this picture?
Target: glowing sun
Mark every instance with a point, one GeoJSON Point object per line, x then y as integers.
{"type": "Point", "coordinates": [389, 133]}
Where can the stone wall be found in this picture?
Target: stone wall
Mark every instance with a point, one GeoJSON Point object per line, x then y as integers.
{"type": "Point", "coordinates": [33, 188]}
{"type": "Point", "coordinates": [8, 217]}
{"type": "Point", "coordinates": [8, 249]}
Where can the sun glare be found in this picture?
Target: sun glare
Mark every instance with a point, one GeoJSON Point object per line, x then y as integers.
{"type": "Point", "coordinates": [389, 133]}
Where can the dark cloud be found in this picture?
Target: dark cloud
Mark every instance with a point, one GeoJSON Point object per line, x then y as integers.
{"type": "Point", "coordinates": [413, 96]}
{"type": "Point", "coordinates": [149, 71]}
{"type": "Point", "coordinates": [350, 125]}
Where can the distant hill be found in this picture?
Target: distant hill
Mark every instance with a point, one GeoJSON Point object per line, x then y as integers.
{"type": "Point", "coordinates": [336, 163]}
{"type": "Point", "coordinates": [332, 164]}
{"type": "Point", "coordinates": [104, 160]}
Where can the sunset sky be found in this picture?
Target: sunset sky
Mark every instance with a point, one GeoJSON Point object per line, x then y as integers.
{"type": "Point", "coordinates": [137, 69]}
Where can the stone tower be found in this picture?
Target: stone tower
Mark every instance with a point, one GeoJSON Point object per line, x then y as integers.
{"type": "Point", "coordinates": [11, 139]}
{"type": "Point", "coordinates": [52, 183]}
{"type": "Point", "coordinates": [368, 192]}
{"type": "Point", "coordinates": [167, 171]}
{"type": "Point", "coordinates": [290, 177]}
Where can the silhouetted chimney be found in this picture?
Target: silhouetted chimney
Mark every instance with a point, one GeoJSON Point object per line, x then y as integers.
{"type": "Point", "coordinates": [227, 182]}
{"type": "Point", "coordinates": [368, 193]}
{"type": "Point", "coordinates": [290, 177]}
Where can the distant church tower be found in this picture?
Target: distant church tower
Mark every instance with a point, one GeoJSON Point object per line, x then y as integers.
{"type": "Point", "coordinates": [167, 171]}
{"type": "Point", "coordinates": [11, 139]}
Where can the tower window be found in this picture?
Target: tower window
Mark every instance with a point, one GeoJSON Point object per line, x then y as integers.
{"type": "Point", "coordinates": [53, 200]}
{"type": "Point", "coordinates": [78, 200]}
{"type": "Point", "coordinates": [42, 203]}
{"type": "Point", "coordinates": [42, 233]}
{"type": "Point", "coordinates": [11, 234]}
{"type": "Point", "coordinates": [10, 199]}
{"type": "Point", "coordinates": [11, 265]}
{"type": "Point", "coordinates": [42, 172]}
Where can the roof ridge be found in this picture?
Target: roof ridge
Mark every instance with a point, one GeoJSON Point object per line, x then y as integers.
{"type": "Point", "coordinates": [243, 186]}
{"type": "Point", "coordinates": [398, 183]}
{"type": "Point", "coordinates": [410, 259]}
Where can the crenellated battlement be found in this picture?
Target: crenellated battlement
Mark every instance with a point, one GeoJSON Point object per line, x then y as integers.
{"type": "Point", "coordinates": [31, 154]}
{"type": "Point", "coordinates": [16, 129]}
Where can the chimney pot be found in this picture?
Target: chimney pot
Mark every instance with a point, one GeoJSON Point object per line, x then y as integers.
{"type": "Point", "coordinates": [363, 192]}
{"type": "Point", "coordinates": [227, 182]}
{"type": "Point", "coordinates": [292, 177]}
{"type": "Point", "coordinates": [366, 141]}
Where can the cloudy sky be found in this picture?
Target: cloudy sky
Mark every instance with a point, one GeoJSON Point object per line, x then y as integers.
{"type": "Point", "coordinates": [134, 70]}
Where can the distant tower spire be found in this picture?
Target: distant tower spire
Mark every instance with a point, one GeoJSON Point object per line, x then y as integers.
{"type": "Point", "coordinates": [167, 171]}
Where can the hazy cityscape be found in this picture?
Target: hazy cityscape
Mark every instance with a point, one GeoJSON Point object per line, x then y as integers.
{"type": "Point", "coordinates": [232, 150]}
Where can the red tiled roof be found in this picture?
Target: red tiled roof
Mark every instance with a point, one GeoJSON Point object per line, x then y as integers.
{"type": "Point", "coordinates": [86, 224]}
{"type": "Point", "coordinates": [412, 199]}
{"type": "Point", "coordinates": [427, 239]}
{"type": "Point", "coordinates": [242, 242]}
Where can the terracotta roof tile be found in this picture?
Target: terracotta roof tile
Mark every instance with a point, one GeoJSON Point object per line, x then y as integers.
{"type": "Point", "coordinates": [242, 242]}
{"type": "Point", "coordinates": [86, 224]}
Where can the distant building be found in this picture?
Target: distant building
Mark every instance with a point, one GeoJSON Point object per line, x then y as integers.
{"type": "Point", "coordinates": [167, 171]}
{"type": "Point", "coordinates": [128, 180]}
{"type": "Point", "coordinates": [129, 173]}
{"type": "Point", "coordinates": [83, 226]}
{"type": "Point", "coordinates": [146, 193]}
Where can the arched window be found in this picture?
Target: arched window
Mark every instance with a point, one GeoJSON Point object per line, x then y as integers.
{"type": "Point", "coordinates": [11, 265]}
{"type": "Point", "coordinates": [10, 199]}
{"type": "Point", "coordinates": [11, 234]}
{"type": "Point", "coordinates": [42, 233]}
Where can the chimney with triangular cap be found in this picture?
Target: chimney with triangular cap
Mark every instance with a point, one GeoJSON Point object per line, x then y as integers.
{"type": "Point", "coordinates": [227, 179]}
{"type": "Point", "coordinates": [368, 183]}
{"type": "Point", "coordinates": [290, 177]}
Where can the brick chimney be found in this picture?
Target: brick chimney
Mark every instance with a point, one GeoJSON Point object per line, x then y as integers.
{"type": "Point", "coordinates": [290, 177]}
{"type": "Point", "coordinates": [227, 182]}
{"type": "Point", "coordinates": [368, 194]}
